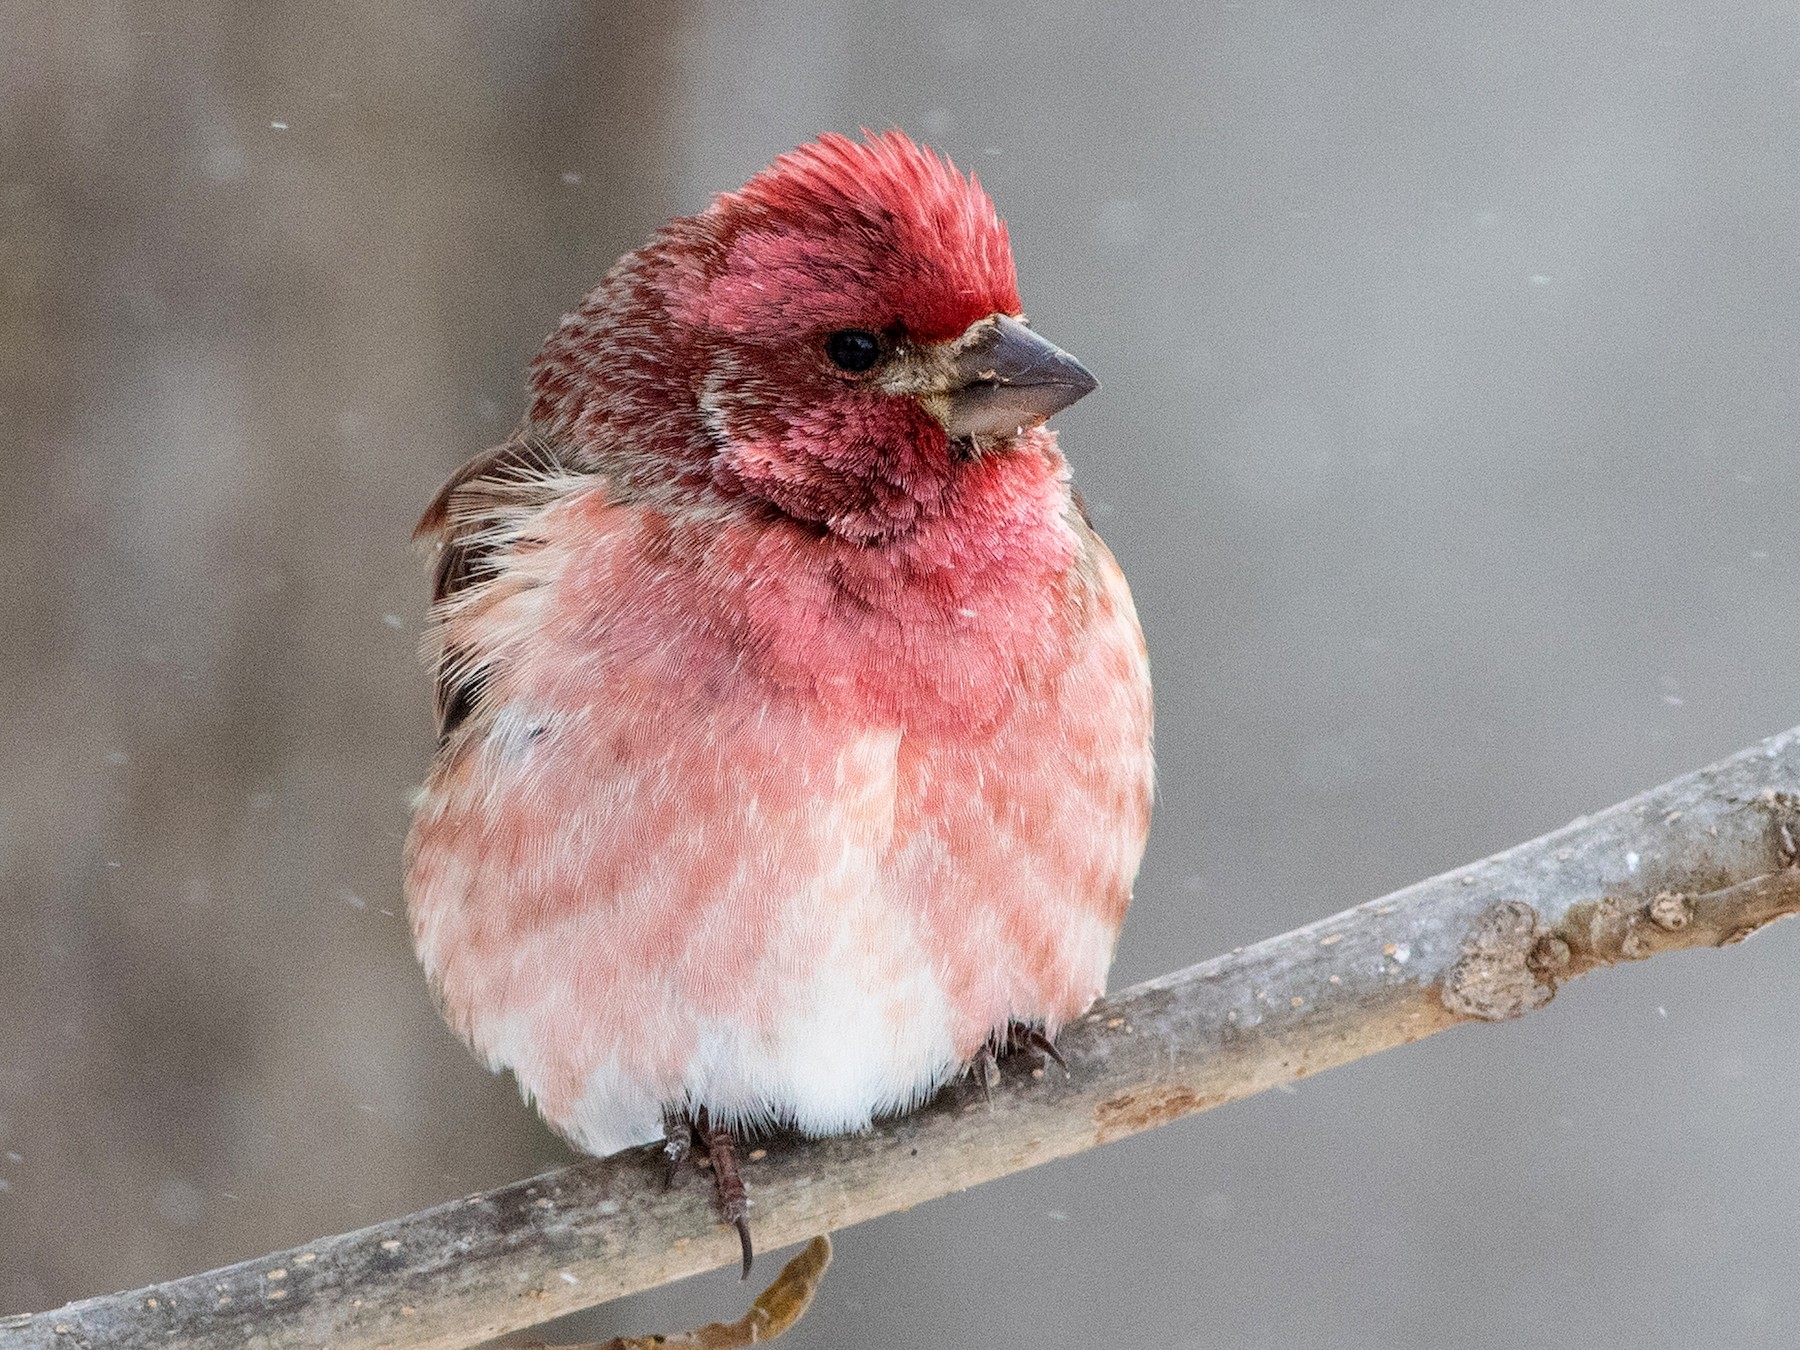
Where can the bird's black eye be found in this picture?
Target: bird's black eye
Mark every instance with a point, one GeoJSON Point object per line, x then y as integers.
{"type": "Point", "coordinates": [853, 349]}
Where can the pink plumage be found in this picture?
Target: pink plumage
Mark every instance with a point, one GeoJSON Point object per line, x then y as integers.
{"type": "Point", "coordinates": [796, 724]}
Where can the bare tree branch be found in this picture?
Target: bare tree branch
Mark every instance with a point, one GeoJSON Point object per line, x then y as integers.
{"type": "Point", "coordinates": [772, 1315]}
{"type": "Point", "coordinates": [1703, 861]}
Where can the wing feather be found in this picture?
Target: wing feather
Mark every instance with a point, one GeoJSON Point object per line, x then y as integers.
{"type": "Point", "coordinates": [479, 520]}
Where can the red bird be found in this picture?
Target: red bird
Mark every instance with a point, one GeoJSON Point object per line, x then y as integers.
{"type": "Point", "coordinates": [795, 724]}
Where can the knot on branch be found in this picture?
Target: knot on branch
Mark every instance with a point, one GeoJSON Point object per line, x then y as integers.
{"type": "Point", "coordinates": [1671, 911]}
{"type": "Point", "coordinates": [1506, 966]}
{"type": "Point", "coordinates": [1784, 823]}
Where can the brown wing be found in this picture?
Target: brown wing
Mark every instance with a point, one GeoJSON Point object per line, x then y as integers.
{"type": "Point", "coordinates": [476, 519]}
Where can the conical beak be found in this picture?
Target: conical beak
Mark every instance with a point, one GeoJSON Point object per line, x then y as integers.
{"type": "Point", "coordinates": [1007, 378]}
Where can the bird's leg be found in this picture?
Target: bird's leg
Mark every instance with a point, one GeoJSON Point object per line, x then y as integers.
{"type": "Point", "coordinates": [1023, 1036]}
{"type": "Point", "coordinates": [678, 1146]}
{"type": "Point", "coordinates": [1010, 1040]}
{"type": "Point", "coordinates": [987, 1072]}
{"type": "Point", "coordinates": [729, 1190]}
{"type": "Point", "coordinates": [681, 1131]}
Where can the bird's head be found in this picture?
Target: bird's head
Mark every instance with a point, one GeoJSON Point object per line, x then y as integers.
{"type": "Point", "coordinates": [845, 329]}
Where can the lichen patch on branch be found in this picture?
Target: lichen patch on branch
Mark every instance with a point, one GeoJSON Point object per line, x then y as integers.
{"type": "Point", "coordinates": [1495, 978]}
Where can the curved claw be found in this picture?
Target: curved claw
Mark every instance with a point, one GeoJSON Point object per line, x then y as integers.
{"type": "Point", "coordinates": [987, 1072]}
{"type": "Point", "coordinates": [1022, 1036]}
{"type": "Point", "coordinates": [742, 1224]}
{"type": "Point", "coordinates": [1036, 1039]}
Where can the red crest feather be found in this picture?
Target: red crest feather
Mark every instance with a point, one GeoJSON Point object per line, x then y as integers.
{"type": "Point", "coordinates": [883, 231]}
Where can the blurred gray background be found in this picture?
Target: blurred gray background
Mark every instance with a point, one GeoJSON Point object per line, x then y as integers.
{"type": "Point", "coordinates": [1447, 436]}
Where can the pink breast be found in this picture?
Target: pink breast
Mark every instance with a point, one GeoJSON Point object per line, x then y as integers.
{"type": "Point", "coordinates": [618, 882]}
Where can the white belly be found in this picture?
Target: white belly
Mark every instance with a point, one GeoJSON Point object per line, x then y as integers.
{"type": "Point", "coordinates": [854, 1027]}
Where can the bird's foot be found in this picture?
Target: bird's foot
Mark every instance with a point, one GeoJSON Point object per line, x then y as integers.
{"type": "Point", "coordinates": [1013, 1039]}
{"type": "Point", "coordinates": [719, 1155]}
{"type": "Point", "coordinates": [677, 1147]}
{"type": "Point", "coordinates": [987, 1073]}
{"type": "Point", "coordinates": [1025, 1036]}
{"type": "Point", "coordinates": [1017, 1038]}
